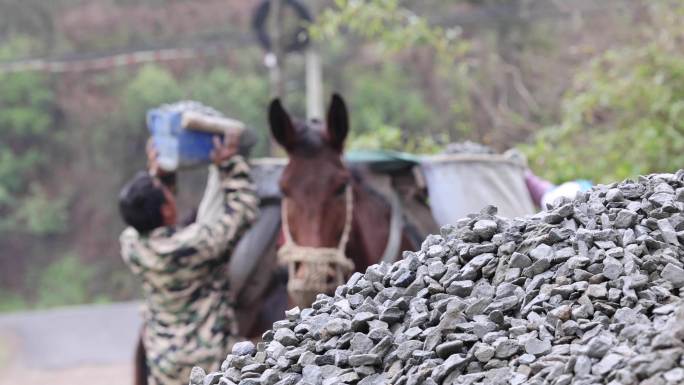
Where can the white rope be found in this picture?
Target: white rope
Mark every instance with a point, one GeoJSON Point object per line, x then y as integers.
{"type": "Point", "coordinates": [349, 201]}
{"type": "Point", "coordinates": [320, 261]}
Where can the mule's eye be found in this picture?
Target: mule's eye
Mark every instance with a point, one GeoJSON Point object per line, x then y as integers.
{"type": "Point", "coordinates": [341, 189]}
{"type": "Point", "coordinates": [284, 190]}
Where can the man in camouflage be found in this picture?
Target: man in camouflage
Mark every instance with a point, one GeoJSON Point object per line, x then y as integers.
{"type": "Point", "coordinates": [189, 318]}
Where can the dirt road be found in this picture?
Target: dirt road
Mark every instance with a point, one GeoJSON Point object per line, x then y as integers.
{"type": "Point", "coordinates": [90, 345]}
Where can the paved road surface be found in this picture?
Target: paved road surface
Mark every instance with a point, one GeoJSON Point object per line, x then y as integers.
{"type": "Point", "coordinates": [91, 345]}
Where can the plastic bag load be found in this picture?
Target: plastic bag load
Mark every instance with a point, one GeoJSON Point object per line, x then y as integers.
{"type": "Point", "coordinates": [462, 184]}
{"type": "Point", "coordinates": [567, 190]}
{"type": "Point", "coordinates": [183, 133]}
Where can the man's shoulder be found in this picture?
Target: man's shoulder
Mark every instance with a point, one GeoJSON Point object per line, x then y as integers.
{"type": "Point", "coordinates": [158, 241]}
{"type": "Point", "coordinates": [129, 235]}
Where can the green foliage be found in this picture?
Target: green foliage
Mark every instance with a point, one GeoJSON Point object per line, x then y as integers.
{"type": "Point", "coordinates": [624, 114]}
{"type": "Point", "coordinates": [11, 302]}
{"type": "Point", "coordinates": [152, 86]}
{"type": "Point", "coordinates": [380, 119]}
{"type": "Point", "coordinates": [27, 142]}
{"type": "Point", "coordinates": [390, 107]}
{"type": "Point", "coordinates": [64, 282]}
{"type": "Point", "coordinates": [391, 138]}
{"type": "Point", "coordinates": [241, 96]}
{"type": "Point", "coordinates": [18, 46]}
{"type": "Point", "coordinates": [391, 24]}
{"type": "Point", "coordinates": [43, 215]}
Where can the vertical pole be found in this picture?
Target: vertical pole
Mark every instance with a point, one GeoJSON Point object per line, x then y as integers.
{"type": "Point", "coordinates": [314, 85]}
{"type": "Point", "coordinates": [275, 59]}
{"type": "Point", "coordinates": [314, 74]}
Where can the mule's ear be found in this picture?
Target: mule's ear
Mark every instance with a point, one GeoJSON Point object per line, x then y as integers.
{"type": "Point", "coordinates": [282, 128]}
{"type": "Point", "coordinates": [338, 122]}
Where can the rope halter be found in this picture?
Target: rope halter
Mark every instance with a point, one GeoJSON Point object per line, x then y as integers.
{"type": "Point", "coordinates": [319, 261]}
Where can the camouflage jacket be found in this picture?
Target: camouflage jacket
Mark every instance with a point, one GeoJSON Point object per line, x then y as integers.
{"type": "Point", "coordinates": [189, 319]}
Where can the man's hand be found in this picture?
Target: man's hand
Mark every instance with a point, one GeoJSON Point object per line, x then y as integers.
{"type": "Point", "coordinates": [226, 150]}
{"type": "Point", "coordinates": [152, 154]}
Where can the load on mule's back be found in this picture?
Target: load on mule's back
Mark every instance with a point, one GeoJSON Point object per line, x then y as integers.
{"type": "Point", "coordinates": [334, 220]}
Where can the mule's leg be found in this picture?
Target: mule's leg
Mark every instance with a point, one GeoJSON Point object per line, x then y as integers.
{"type": "Point", "coordinates": [140, 370]}
{"type": "Point", "coordinates": [272, 309]}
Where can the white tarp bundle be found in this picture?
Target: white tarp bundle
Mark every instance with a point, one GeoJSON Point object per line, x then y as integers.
{"type": "Point", "coordinates": [461, 184]}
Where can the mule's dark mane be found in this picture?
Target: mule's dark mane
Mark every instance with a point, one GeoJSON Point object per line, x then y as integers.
{"type": "Point", "coordinates": [310, 137]}
{"type": "Point", "coordinates": [357, 173]}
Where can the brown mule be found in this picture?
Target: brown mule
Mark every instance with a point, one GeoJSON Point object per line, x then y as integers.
{"type": "Point", "coordinates": [317, 189]}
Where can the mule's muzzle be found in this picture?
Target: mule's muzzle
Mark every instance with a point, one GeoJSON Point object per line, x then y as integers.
{"type": "Point", "coordinates": [313, 271]}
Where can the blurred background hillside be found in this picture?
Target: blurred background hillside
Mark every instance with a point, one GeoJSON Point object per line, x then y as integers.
{"type": "Point", "coordinates": [586, 89]}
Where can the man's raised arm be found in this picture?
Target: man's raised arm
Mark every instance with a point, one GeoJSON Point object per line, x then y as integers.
{"type": "Point", "coordinates": [240, 206]}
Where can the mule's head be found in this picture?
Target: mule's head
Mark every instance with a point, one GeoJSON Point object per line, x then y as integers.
{"type": "Point", "coordinates": [315, 180]}
{"type": "Point", "coordinates": [315, 186]}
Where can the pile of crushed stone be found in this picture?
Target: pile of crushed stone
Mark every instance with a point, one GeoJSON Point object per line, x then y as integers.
{"type": "Point", "coordinates": [588, 292]}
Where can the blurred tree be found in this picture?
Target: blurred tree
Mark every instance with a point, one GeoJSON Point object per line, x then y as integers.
{"type": "Point", "coordinates": [472, 79]}
{"type": "Point", "coordinates": [239, 95]}
{"type": "Point", "coordinates": [66, 281]}
{"type": "Point", "coordinates": [624, 115]}
{"type": "Point", "coordinates": [28, 18]}
{"type": "Point", "coordinates": [390, 23]}
{"type": "Point", "coordinates": [28, 138]}
{"type": "Point", "coordinates": [378, 115]}
{"type": "Point", "coordinates": [420, 119]}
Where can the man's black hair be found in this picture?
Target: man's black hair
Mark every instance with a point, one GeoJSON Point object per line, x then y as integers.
{"type": "Point", "coordinates": [140, 202]}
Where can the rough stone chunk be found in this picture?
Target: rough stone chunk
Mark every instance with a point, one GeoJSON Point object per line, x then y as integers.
{"type": "Point", "coordinates": [461, 288]}
{"type": "Point", "coordinates": [625, 219]}
{"type": "Point", "coordinates": [537, 347]}
{"type": "Point", "coordinates": [312, 374]}
{"type": "Point", "coordinates": [673, 274]}
{"type": "Point", "coordinates": [668, 232]}
{"type": "Point", "coordinates": [542, 251]}
{"type": "Point", "coordinates": [360, 320]}
{"type": "Point", "coordinates": [448, 348]}
{"type": "Point", "coordinates": [484, 352]}
{"type": "Point", "coordinates": [505, 348]}
{"type": "Point", "coordinates": [360, 343]}
{"type": "Point", "coordinates": [244, 348]}
{"type": "Point", "coordinates": [614, 195]}
{"type": "Point", "coordinates": [197, 375]}
{"type": "Point", "coordinates": [374, 379]}
{"type": "Point", "coordinates": [519, 260]}
{"type": "Point", "coordinates": [405, 278]}
{"type": "Point", "coordinates": [607, 363]}
{"type": "Point", "coordinates": [485, 229]}
{"type": "Point", "coordinates": [599, 346]}
{"type": "Point", "coordinates": [612, 268]}
{"type": "Point", "coordinates": [452, 363]}
{"type": "Point", "coordinates": [597, 290]}
{"type": "Point", "coordinates": [364, 359]}
{"type": "Point", "coordinates": [286, 337]}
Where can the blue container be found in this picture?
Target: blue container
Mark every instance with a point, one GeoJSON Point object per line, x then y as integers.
{"type": "Point", "coordinates": [177, 147]}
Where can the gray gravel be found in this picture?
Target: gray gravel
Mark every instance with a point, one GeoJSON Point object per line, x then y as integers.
{"type": "Point", "coordinates": [587, 292]}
